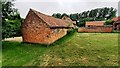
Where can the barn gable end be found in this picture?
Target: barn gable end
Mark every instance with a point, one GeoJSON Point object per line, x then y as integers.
{"type": "Point", "coordinates": [36, 28]}
{"type": "Point", "coordinates": [69, 21]}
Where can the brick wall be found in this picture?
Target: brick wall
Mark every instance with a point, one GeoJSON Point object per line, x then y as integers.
{"type": "Point", "coordinates": [56, 34]}
{"type": "Point", "coordinates": [35, 30]}
{"type": "Point", "coordinates": [95, 29]}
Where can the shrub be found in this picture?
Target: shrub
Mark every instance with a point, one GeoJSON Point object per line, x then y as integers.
{"type": "Point", "coordinates": [109, 22]}
{"type": "Point", "coordinates": [11, 29]}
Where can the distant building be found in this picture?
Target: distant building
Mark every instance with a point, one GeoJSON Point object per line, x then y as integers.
{"type": "Point", "coordinates": [69, 21]}
{"type": "Point", "coordinates": [43, 29]}
{"type": "Point", "coordinates": [95, 26]}
{"type": "Point", "coordinates": [116, 23]}
{"type": "Point", "coordinates": [94, 23]}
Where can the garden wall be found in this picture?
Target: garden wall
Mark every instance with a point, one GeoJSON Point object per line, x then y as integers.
{"type": "Point", "coordinates": [96, 29]}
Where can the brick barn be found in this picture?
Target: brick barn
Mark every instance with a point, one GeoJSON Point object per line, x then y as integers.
{"type": "Point", "coordinates": [94, 23]}
{"type": "Point", "coordinates": [43, 29]}
{"type": "Point", "coordinates": [116, 23]}
{"type": "Point", "coordinates": [95, 26]}
{"type": "Point", "coordinates": [69, 21]}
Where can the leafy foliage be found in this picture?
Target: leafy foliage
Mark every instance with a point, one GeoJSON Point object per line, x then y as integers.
{"type": "Point", "coordinates": [98, 14]}
{"type": "Point", "coordinates": [64, 14]}
{"type": "Point", "coordinates": [58, 15]}
{"type": "Point", "coordinates": [108, 22]}
{"type": "Point", "coordinates": [11, 20]}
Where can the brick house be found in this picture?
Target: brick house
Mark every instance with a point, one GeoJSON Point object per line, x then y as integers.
{"type": "Point", "coordinates": [69, 21]}
{"type": "Point", "coordinates": [43, 29]}
{"type": "Point", "coordinates": [116, 23]}
{"type": "Point", "coordinates": [95, 26]}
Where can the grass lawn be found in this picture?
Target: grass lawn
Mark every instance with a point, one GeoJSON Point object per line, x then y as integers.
{"type": "Point", "coordinates": [77, 49]}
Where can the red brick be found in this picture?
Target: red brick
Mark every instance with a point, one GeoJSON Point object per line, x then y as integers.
{"type": "Point", "coordinates": [36, 30]}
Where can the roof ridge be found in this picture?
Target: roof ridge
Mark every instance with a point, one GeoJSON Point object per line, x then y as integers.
{"type": "Point", "coordinates": [49, 20]}
{"type": "Point", "coordinates": [38, 15]}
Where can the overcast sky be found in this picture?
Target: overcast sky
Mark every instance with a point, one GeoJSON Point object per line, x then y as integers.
{"type": "Point", "coordinates": [62, 6]}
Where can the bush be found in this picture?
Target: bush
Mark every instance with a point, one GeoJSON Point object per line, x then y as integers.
{"type": "Point", "coordinates": [71, 31]}
{"type": "Point", "coordinates": [109, 22]}
{"type": "Point", "coordinates": [11, 29]}
{"type": "Point", "coordinates": [81, 22]}
{"type": "Point", "coordinates": [11, 20]}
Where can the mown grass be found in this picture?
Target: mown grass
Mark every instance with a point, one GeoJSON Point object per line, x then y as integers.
{"type": "Point", "coordinates": [75, 49]}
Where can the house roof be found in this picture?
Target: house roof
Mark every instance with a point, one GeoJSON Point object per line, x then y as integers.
{"type": "Point", "coordinates": [74, 22]}
{"type": "Point", "coordinates": [51, 21]}
{"type": "Point", "coordinates": [68, 20]}
{"type": "Point", "coordinates": [95, 23]}
{"type": "Point", "coordinates": [115, 19]}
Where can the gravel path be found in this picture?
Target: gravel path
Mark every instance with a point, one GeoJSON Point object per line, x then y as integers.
{"type": "Point", "coordinates": [15, 39]}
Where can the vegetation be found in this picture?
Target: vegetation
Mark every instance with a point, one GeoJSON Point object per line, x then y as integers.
{"type": "Point", "coordinates": [75, 49]}
{"type": "Point", "coordinates": [11, 20]}
{"type": "Point", "coordinates": [91, 15]}
{"type": "Point", "coordinates": [108, 22]}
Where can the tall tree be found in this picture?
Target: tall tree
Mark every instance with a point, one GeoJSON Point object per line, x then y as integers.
{"type": "Point", "coordinates": [97, 14]}
{"type": "Point", "coordinates": [58, 15]}
{"type": "Point", "coordinates": [54, 15]}
{"type": "Point", "coordinates": [11, 20]}
{"type": "Point", "coordinates": [64, 14]}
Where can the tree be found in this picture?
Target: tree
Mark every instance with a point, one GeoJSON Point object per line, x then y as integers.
{"type": "Point", "coordinates": [58, 15]}
{"type": "Point", "coordinates": [11, 20]}
{"type": "Point", "coordinates": [74, 16]}
{"type": "Point", "coordinates": [54, 15]}
{"type": "Point", "coordinates": [64, 14]}
{"type": "Point", "coordinates": [98, 14]}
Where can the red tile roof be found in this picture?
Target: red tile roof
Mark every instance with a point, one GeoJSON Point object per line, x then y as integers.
{"type": "Point", "coordinates": [116, 19]}
{"type": "Point", "coordinates": [68, 20]}
{"type": "Point", "coordinates": [51, 21]}
{"type": "Point", "coordinates": [95, 23]}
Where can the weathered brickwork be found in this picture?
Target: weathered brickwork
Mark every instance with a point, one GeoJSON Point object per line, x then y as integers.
{"type": "Point", "coordinates": [94, 23]}
{"type": "Point", "coordinates": [55, 35]}
{"type": "Point", "coordinates": [35, 30]}
{"type": "Point", "coordinates": [95, 29]}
